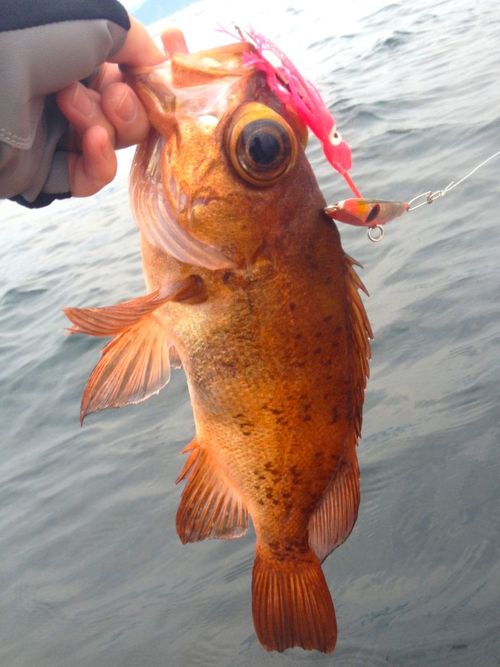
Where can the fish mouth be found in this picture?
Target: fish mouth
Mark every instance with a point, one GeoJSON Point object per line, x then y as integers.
{"type": "Point", "coordinates": [162, 87]}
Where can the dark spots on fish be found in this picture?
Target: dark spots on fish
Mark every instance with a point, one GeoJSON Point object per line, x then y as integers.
{"type": "Point", "coordinates": [292, 306]}
{"type": "Point", "coordinates": [296, 475]}
{"type": "Point", "coordinates": [282, 421]}
{"type": "Point", "coordinates": [268, 465]}
{"type": "Point", "coordinates": [327, 395]}
{"type": "Point", "coordinates": [268, 489]}
{"type": "Point", "coordinates": [256, 486]}
{"type": "Point", "coordinates": [275, 502]}
{"type": "Point", "coordinates": [307, 406]}
{"type": "Point", "coordinates": [286, 494]}
{"type": "Point", "coordinates": [269, 496]}
{"type": "Point", "coordinates": [240, 415]}
{"type": "Point", "coordinates": [306, 418]}
{"type": "Point", "coordinates": [276, 411]}
{"type": "Point", "coordinates": [318, 454]}
{"type": "Point", "coordinates": [309, 508]}
{"type": "Point", "coordinates": [318, 350]}
{"type": "Point", "coordinates": [318, 334]}
{"type": "Point", "coordinates": [338, 330]}
{"type": "Point", "coordinates": [328, 318]}
{"type": "Point", "coordinates": [226, 276]}
{"type": "Point", "coordinates": [246, 432]}
{"type": "Point", "coordinates": [312, 262]}
{"type": "Point", "coordinates": [334, 415]}
{"type": "Point", "coordinates": [261, 477]}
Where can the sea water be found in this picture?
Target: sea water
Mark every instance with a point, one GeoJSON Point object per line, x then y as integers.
{"type": "Point", "coordinates": [92, 573]}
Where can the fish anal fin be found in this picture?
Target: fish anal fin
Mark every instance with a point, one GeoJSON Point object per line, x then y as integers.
{"type": "Point", "coordinates": [133, 366]}
{"type": "Point", "coordinates": [113, 320]}
{"type": "Point", "coordinates": [210, 507]}
{"type": "Point", "coordinates": [334, 518]}
{"type": "Point", "coordinates": [291, 604]}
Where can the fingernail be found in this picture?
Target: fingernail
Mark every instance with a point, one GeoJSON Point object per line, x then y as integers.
{"type": "Point", "coordinates": [107, 151]}
{"type": "Point", "coordinates": [82, 101]}
{"type": "Point", "coordinates": [127, 108]}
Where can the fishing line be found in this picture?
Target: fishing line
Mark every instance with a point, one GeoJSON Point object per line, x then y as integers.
{"type": "Point", "coordinates": [373, 213]}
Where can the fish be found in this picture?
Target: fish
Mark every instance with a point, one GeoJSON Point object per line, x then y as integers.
{"type": "Point", "coordinates": [249, 290]}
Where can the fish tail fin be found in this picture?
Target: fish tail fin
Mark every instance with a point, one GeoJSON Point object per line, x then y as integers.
{"type": "Point", "coordinates": [291, 603]}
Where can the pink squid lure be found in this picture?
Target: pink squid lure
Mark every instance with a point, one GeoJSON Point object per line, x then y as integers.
{"type": "Point", "coordinates": [291, 88]}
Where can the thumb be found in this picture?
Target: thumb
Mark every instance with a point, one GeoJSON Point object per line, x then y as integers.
{"type": "Point", "coordinates": [139, 48]}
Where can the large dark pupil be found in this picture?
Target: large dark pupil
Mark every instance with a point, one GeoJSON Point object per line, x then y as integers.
{"type": "Point", "coordinates": [264, 148]}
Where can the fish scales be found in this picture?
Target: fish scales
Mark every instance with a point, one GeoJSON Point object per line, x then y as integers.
{"type": "Point", "coordinates": [249, 288]}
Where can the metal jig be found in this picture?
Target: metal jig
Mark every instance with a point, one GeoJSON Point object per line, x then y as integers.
{"type": "Point", "coordinates": [353, 211]}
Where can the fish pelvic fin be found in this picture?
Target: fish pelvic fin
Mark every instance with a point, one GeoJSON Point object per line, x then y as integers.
{"type": "Point", "coordinates": [291, 603]}
{"type": "Point", "coordinates": [135, 364]}
{"type": "Point", "coordinates": [210, 507]}
{"type": "Point", "coordinates": [334, 518]}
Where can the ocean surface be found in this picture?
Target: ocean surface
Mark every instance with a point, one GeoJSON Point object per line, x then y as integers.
{"type": "Point", "coordinates": [92, 573]}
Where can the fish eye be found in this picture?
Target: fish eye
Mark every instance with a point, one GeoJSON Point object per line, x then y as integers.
{"type": "Point", "coordinates": [262, 146]}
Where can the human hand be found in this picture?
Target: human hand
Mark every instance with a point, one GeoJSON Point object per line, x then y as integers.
{"type": "Point", "coordinates": [106, 116]}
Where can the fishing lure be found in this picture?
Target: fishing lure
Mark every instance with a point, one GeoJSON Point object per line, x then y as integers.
{"type": "Point", "coordinates": [373, 213]}
{"type": "Point", "coordinates": [284, 79]}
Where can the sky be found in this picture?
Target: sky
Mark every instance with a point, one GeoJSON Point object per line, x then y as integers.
{"type": "Point", "coordinates": [132, 5]}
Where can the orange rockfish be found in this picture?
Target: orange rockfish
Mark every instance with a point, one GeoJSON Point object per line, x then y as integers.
{"type": "Point", "coordinates": [249, 288]}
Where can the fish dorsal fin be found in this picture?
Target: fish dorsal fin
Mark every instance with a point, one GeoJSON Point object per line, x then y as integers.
{"type": "Point", "coordinates": [361, 333]}
{"type": "Point", "coordinates": [135, 364]}
{"type": "Point", "coordinates": [335, 516]}
{"type": "Point", "coordinates": [210, 507]}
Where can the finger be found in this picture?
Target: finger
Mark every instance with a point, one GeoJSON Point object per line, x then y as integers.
{"type": "Point", "coordinates": [173, 41]}
{"type": "Point", "coordinates": [125, 113]}
{"type": "Point", "coordinates": [139, 48]}
{"type": "Point", "coordinates": [81, 107]}
{"type": "Point", "coordinates": [107, 74]}
{"type": "Point", "coordinates": [95, 167]}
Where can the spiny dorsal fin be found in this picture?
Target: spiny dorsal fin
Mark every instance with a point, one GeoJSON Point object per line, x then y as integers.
{"type": "Point", "coordinates": [361, 332]}
{"type": "Point", "coordinates": [210, 506]}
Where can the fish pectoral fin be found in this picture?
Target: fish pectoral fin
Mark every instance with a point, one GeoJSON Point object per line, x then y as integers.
{"type": "Point", "coordinates": [133, 366]}
{"type": "Point", "coordinates": [291, 603]}
{"type": "Point", "coordinates": [210, 507]}
{"type": "Point", "coordinates": [113, 320]}
{"type": "Point", "coordinates": [335, 516]}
